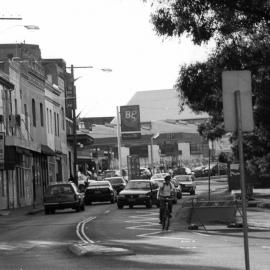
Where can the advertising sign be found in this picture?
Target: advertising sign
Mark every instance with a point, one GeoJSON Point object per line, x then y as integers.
{"type": "Point", "coordinates": [130, 122]}
{"type": "Point", "coordinates": [2, 150]}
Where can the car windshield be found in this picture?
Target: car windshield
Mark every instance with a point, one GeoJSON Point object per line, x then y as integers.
{"type": "Point", "coordinates": [138, 185]}
{"type": "Point", "coordinates": [59, 189]}
{"type": "Point", "coordinates": [115, 180]}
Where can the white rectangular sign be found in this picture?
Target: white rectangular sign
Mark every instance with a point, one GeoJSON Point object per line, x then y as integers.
{"type": "Point", "coordinates": [233, 81]}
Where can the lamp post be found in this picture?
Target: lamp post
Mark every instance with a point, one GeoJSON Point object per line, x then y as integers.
{"type": "Point", "coordinates": [74, 118]}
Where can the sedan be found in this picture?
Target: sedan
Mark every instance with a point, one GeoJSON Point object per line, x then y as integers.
{"type": "Point", "coordinates": [62, 196]}
{"type": "Point", "coordinates": [186, 182]}
{"type": "Point", "coordinates": [100, 191]}
{"type": "Point", "coordinates": [138, 192]}
{"type": "Point", "coordinates": [118, 183]}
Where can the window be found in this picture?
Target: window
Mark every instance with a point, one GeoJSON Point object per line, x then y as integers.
{"type": "Point", "coordinates": [34, 113]}
{"type": "Point", "coordinates": [51, 122]}
{"type": "Point", "coordinates": [48, 121]}
{"type": "Point", "coordinates": [63, 118]}
{"type": "Point", "coordinates": [26, 116]}
{"type": "Point", "coordinates": [16, 106]}
{"type": "Point", "coordinates": [57, 124]}
{"type": "Point", "coordinates": [41, 115]}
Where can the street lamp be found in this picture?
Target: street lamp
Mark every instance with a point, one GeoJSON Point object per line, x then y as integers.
{"type": "Point", "coordinates": [152, 157]}
{"type": "Point", "coordinates": [74, 118]}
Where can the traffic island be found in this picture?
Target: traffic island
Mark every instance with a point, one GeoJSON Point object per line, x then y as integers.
{"type": "Point", "coordinates": [88, 249]}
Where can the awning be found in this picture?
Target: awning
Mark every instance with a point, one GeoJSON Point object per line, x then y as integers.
{"type": "Point", "coordinates": [45, 149]}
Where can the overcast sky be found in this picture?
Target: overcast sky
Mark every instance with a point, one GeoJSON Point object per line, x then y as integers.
{"type": "Point", "coordinates": [115, 34]}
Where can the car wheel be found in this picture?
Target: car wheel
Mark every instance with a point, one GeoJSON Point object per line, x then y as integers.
{"type": "Point", "coordinates": [47, 211]}
{"type": "Point", "coordinates": [120, 206]}
{"type": "Point", "coordinates": [88, 202]}
{"type": "Point", "coordinates": [112, 201]}
{"type": "Point", "coordinates": [78, 208]}
{"type": "Point", "coordinates": [52, 211]}
{"type": "Point", "coordinates": [192, 192]}
{"type": "Point", "coordinates": [130, 206]}
{"type": "Point", "coordinates": [174, 201]}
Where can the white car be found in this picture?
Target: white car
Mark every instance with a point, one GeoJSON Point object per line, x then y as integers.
{"type": "Point", "coordinates": [186, 182]}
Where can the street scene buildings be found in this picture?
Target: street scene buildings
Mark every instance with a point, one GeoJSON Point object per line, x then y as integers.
{"type": "Point", "coordinates": [38, 98]}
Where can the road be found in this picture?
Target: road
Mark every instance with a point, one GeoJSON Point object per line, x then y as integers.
{"type": "Point", "coordinates": [42, 241]}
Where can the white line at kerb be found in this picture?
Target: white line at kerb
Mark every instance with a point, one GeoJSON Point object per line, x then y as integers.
{"type": "Point", "coordinates": [80, 230]}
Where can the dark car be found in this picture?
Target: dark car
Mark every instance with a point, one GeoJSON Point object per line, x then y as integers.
{"type": "Point", "coordinates": [62, 196]}
{"type": "Point", "coordinates": [118, 183]}
{"type": "Point", "coordinates": [138, 192]}
{"type": "Point", "coordinates": [216, 169]}
{"type": "Point", "coordinates": [100, 191]}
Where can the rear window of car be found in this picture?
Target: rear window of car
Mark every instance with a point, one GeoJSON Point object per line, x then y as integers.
{"type": "Point", "coordinates": [138, 185]}
{"type": "Point", "coordinates": [59, 189]}
{"type": "Point", "coordinates": [115, 180]}
{"type": "Point", "coordinates": [99, 184]}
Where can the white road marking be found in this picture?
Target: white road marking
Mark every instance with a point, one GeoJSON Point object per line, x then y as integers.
{"type": "Point", "coordinates": [80, 230]}
{"type": "Point", "coordinates": [265, 247]}
{"type": "Point", "coordinates": [107, 211]}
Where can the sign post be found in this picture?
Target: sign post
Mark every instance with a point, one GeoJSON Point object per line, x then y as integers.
{"type": "Point", "coordinates": [238, 116]}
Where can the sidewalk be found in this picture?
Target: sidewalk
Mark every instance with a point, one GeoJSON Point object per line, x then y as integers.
{"type": "Point", "coordinates": [22, 211]}
{"type": "Point", "coordinates": [258, 209]}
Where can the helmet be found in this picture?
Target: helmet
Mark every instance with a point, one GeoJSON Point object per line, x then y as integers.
{"type": "Point", "coordinates": [167, 178]}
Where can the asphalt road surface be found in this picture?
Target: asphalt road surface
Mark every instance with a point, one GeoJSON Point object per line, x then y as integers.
{"type": "Point", "coordinates": [43, 241]}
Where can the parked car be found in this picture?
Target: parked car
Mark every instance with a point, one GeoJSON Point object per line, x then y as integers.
{"type": "Point", "coordinates": [186, 183]}
{"type": "Point", "coordinates": [138, 192]}
{"type": "Point", "coordinates": [62, 196]}
{"type": "Point", "coordinates": [118, 183]}
{"type": "Point", "coordinates": [199, 171]}
{"type": "Point", "coordinates": [100, 191]}
{"type": "Point", "coordinates": [215, 169]}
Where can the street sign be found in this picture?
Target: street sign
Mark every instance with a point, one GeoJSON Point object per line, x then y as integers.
{"type": "Point", "coordinates": [233, 81]}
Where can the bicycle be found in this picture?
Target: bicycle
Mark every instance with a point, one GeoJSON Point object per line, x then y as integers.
{"type": "Point", "coordinates": [165, 215]}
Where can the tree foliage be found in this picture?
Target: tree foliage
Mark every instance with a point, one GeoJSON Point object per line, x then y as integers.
{"type": "Point", "coordinates": [241, 30]}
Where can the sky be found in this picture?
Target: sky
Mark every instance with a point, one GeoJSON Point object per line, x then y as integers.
{"type": "Point", "coordinates": [114, 34]}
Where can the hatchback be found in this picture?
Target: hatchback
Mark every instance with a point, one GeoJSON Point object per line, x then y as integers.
{"type": "Point", "coordinates": [62, 196]}
{"type": "Point", "coordinates": [118, 183]}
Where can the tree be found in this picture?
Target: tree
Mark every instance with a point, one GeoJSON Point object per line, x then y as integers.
{"type": "Point", "coordinates": [241, 31]}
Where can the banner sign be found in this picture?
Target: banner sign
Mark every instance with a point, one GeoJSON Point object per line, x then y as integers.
{"type": "Point", "coordinates": [130, 122]}
{"type": "Point", "coordinates": [2, 150]}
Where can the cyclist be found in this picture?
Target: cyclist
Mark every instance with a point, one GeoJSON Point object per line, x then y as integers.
{"type": "Point", "coordinates": [164, 191]}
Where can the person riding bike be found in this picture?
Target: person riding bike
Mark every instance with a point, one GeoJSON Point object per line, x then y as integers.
{"type": "Point", "coordinates": [164, 191]}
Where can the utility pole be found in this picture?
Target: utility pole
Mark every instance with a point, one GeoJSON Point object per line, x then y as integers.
{"type": "Point", "coordinates": [74, 129]}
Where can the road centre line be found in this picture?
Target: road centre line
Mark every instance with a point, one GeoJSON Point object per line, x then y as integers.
{"type": "Point", "coordinates": [265, 247]}
{"type": "Point", "coordinates": [107, 211]}
{"type": "Point", "coordinates": [80, 230]}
